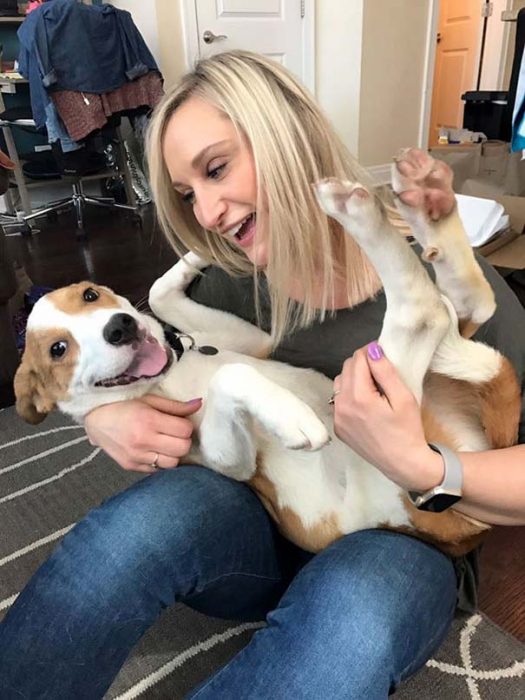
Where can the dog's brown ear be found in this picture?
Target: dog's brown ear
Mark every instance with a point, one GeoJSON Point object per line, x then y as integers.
{"type": "Point", "coordinates": [31, 403]}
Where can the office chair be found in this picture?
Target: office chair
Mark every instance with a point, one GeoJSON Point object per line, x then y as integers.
{"type": "Point", "coordinates": [74, 168]}
{"type": "Point", "coordinates": [9, 221]}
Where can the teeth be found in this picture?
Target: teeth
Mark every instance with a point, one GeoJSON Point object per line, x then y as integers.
{"type": "Point", "coordinates": [235, 230]}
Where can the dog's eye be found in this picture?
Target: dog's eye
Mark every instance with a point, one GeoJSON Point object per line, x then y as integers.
{"type": "Point", "coordinates": [58, 349]}
{"type": "Point", "coordinates": [90, 295]}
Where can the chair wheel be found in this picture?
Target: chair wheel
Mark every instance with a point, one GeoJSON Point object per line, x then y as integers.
{"type": "Point", "coordinates": [137, 221]}
{"type": "Point", "coordinates": [80, 234]}
{"type": "Point", "coordinates": [52, 216]}
{"type": "Point", "coordinates": [26, 230]}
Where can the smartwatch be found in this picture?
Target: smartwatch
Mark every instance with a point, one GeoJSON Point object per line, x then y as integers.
{"type": "Point", "coordinates": [449, 491]}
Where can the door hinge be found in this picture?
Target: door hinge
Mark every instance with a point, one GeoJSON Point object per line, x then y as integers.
{"type": "Point", "coordinates": [486, 9]}
{"type": "Point", "coordinates": [302, 9]}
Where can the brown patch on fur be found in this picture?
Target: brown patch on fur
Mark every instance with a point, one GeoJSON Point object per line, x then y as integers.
{"type": "Point", "coordinates": [311, 539]}
{"type": "Point", "coordinates": [41, 381]}
{"type": "Point", "coordinates": [450, 531]}
{"type": "Point", "coordinates": [70, 299]}
{"type": "Point", "coordinates": [495, 405]}
{"type": "Point", "coordinates": [448, 392]}
{"type": "Point", "coordinates": [434, 430]}
{"type": "Point", "coordinates": [467, 327]}
{"type": "Point", "coordinates": [500, 403]}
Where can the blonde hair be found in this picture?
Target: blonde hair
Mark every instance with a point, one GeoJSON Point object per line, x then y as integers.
{"type": "Point", "coordinates": [293, 146]}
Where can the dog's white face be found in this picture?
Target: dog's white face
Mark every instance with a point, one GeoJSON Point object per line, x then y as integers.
{"type": "Point", "coordinates": [86, 346]}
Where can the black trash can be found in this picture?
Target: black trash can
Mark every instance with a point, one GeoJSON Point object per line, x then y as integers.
{"type": "Point", "coordinates": [485, 110]}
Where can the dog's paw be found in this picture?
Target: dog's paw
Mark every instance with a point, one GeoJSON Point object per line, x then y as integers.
{"type": "Point", "coordinates": [175, 281]}
{"type": "Point", "coordinates": [301, 430]}
{"type": "Point", "coordinates": [357, 210]}
{"type": "Point", "coordinates": [192, 260]}
{"type": "Point", "coordinates": [184, 271]}
{"type": "Point", "coordinates": [423, 185]}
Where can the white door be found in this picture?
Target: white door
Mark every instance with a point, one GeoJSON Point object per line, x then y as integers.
{"type": "Point", "coordinates": [279, 29]}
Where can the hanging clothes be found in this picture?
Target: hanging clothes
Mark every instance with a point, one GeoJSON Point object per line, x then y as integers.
{"type": "Point", "coordinates": [84, 112]}
{"type": "Point", "coordinates": [66, 45]}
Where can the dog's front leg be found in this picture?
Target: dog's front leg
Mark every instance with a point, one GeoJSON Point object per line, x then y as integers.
{"type": "Point", "coordinates": [416, 319]}
{"type": "Point", "coordinates": [168, 300]}
{"type": "Point", "coordinates": [445, 243]}
{"type": "Point", "coordinates": [240, 402]}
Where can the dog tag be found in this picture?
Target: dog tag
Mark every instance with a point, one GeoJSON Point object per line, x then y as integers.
{"type": "Point", "coordinates": [208, 350]}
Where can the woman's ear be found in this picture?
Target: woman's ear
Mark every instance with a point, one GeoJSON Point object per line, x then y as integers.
{"type": "Point", "coordinates": [31, 402]}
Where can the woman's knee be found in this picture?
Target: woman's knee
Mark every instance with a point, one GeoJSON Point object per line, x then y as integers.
{"type": "Point", "coordinates": [374, 602]}
{"type": "Point", "coordinates": [158, 534]}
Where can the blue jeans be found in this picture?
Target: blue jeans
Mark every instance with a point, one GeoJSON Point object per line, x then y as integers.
{"type": "Point", "coordinates": [350, 622]}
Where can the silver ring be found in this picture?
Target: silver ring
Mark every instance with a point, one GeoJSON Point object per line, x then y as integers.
{"type": "Point", "coordinates": [331, 400]}
{"type": "Point", "coordinates": [154, 464]}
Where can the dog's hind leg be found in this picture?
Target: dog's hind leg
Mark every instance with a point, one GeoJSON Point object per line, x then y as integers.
{"type": "Point", "coordinates": [168, 300]}
{"type": "Point", "coordinates": [426, 201]}
{"type": "Point", "coordinates": [484, 384]}
{"type": "Point", "coordinates": [416, 318]}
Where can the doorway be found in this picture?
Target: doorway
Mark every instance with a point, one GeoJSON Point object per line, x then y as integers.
{"type": "Point", "coordinates": [472, 46]}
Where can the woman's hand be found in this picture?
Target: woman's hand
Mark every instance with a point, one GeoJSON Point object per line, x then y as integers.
{"type": "Point", "coordinates": [134, 432]}
{"type": "Point", "coordinates": [378, 417]}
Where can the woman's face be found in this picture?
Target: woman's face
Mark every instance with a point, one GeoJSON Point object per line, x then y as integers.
{"type": "Point", "coordinates": [212, 168]}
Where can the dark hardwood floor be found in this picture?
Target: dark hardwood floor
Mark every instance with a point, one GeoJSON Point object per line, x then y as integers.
{"type": "Point", "coordinates": [502, 584]}
{"type": "Point", "coordinates": [128, 259]}
{"type": "Point", "coordinates": [116, 253]}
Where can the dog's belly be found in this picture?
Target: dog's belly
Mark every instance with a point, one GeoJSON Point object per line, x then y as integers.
{"type": "Point", "coordinates": [317, 497]}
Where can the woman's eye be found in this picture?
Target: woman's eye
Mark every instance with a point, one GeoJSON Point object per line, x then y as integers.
{"type": "Point", "coordinates": [58, 349]}
{"type": "Point", "coordinates": [214, 173]}
{"type": "Point", "coordinates": [188, 197]}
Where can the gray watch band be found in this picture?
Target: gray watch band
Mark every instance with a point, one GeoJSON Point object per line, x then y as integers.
{"type": "Point", "coordinates": [452, 483]}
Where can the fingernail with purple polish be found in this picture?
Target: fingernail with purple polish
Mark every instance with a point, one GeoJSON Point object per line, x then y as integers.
{"type": "Point", "coordinates": [194, 401]}
{"type": "Point", "coordinates": [375, 351]}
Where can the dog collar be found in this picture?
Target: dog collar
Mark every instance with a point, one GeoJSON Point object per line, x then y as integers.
{"type": "Point", "coordinates": [173, 336]}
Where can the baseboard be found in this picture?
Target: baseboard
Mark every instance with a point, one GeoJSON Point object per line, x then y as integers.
{"type": "Point", "coordinates": [380, 173]}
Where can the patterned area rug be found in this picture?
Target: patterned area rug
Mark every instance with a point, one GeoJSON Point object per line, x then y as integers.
{"type": "Point", "coordinates": [50, 476]}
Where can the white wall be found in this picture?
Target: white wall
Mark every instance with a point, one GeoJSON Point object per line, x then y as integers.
{"type": "Point", "coordinates": [493, 59]}
{"type": "Point", "coordinates": [338, 40]}
{"type": "Point", "coordinates": [172, 59]}
{"type": "Point", "coordinates": [370, 64]}
{"type": "Point", "coordinates": [516, 5]}
{"type": "Point", "coordinates": [393, 73]}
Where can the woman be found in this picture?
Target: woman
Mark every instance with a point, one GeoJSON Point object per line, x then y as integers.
{"type": "Point", "coordinates": [232, 153]}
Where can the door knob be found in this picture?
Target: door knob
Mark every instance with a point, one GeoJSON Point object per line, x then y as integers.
{"type": "Point", "coordinates": [210, 37]}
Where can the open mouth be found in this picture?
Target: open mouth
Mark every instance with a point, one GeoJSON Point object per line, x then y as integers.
{"type": "Point", "coordinates": [151, 360]}
{"type": "Point", "coordinates": [245, 231]}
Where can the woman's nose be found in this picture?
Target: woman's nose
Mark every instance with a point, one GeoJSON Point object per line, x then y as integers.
{"type": "Point", "coordinates": [210, 211]}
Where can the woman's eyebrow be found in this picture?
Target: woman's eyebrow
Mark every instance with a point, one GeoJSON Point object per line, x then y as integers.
{"type": "Point", "coordinates": [196, 162]}
{"type": "Point", "coordinates": [201, 156]}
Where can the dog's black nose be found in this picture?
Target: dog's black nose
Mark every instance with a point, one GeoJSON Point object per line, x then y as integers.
{"type": "Point", "coordinates": [121, 329]}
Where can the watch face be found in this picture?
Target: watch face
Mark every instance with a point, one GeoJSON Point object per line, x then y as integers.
{"type": "Point", "coordinates": [440, 502]}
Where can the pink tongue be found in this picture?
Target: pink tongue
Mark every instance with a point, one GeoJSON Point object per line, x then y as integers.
{"type": "Point", "coordinates": [149, 360]}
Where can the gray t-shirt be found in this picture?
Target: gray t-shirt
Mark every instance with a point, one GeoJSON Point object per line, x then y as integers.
{"type": "Point", "coordinates": [325, 346]}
